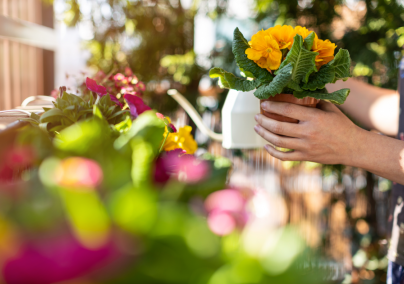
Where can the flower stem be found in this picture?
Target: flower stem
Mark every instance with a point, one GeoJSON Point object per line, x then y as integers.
{"type": "Point", "coordinates": [165, 138]}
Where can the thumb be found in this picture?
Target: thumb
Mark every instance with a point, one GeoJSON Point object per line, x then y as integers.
{"type": "Point", "coordinates": [327, 106]}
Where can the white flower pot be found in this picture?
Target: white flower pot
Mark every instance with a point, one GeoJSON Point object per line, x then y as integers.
{"type": "Point", "coordinates": [238, 121]}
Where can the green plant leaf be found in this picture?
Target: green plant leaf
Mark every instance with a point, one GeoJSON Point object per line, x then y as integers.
{"type": "Point", "coordinates": [309, 40]}
{"type": "Point", "coordinates": [97, 112]}
{"type": "Point", "coordinates": [229, 81]}
{"type": "Point", "coordinates": [71, 99]}
{"type": "Point", "coordinates": [318, 80]}
{"type": "Point", "coordinates": [342, 64]}
{"type": "Point", "coordinates": [54, 115]}
{"type": "Point", "coordinates": [337, 97]}
{"type": "Point", "coordinates": [294, 86]}
{"type": "Point", "coordinates": [240, 44]}
{"type": "Point", "coordinates": [30, 120]}
{"type": "Point", "coordinates": [303, 60]}
{"type": "Point", "coordinates": [276, 86]}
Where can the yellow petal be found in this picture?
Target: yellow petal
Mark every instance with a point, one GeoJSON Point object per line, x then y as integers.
{"type": "Point", "coordinates": [253, 54]}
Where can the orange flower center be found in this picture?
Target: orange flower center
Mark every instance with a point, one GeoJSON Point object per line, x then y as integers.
{"type": "Point", "coordinates": [269, 50]}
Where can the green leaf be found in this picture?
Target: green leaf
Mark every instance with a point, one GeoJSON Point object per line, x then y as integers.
{"type": "Point", "coordinates": [35, 116]}
{"type": "Point", "coordinates": [294, 86]}
{"type": "Point", "coordinates": [342, 64]}
{"type": "Point", "coordinates": [30, 120]}
{"type": "Point", "coordinates": [240, 44]}
{"type": "Point", "coordinates": [47, 108]}
{"type": "Point", "coordinates": [309, 40]}
{"type": "Point", "coordinates": [318, 80]}
{"type": "Point", "coordinates": [44, 126]}
{"type": "Point", "coordinates": [71, 99]}
{"type": "Point", "coordinates": [276, 86]}
{"type": "Point", "coordinates": [97, 112]}
{"type": "Point", "coordinates": [337, 97]}
{"type": "Point", "coordinates": [53, 115]}
{"type": "Point", "coordinates": [118, 114]}
{"type": "Point", "coordinates": [303, 60]}
{"type": "Point", "coordinates": [229, 81]}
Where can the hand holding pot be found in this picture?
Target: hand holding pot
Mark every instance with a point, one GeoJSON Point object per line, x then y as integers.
{"type": "Point", "coordinates": [324, 134]}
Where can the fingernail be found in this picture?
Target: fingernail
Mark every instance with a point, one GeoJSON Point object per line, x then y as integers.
{"type": "Point", "coordinates": [256, 117]}
{"type": "Point", "coordinates": [256, 128]}
{"type": "Point", "coordinates": [264, 105]}
{"type": "Point", "coordinates": [267, 146]}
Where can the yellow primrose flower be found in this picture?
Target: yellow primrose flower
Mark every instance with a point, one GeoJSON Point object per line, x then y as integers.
{"type": "Point", "coordinates": [325, 48]}
{"type": "Point", "coordinates": [264, 50]}
{"type": "Point", "coordinates": [303, 31]}
{"type": "Point", "coordinates": [181, 139]}
{"type": "Point", "coordinates": [283, 35]}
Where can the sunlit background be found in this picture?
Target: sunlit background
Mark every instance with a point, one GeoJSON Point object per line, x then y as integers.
{"type": "Point", "coordinates": [98, 205]}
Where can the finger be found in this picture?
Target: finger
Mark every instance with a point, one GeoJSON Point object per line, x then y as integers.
{"type": "Point", "coordinates": [278, 141]}
{"type": "Point", "coordinates": [278, 127]}
{"type": "Point", "coordinates": [289, 110]}
{"type": "Point", "coordinates": [327, 106]}
{"type": "Point", "coordinates": [289, 156]}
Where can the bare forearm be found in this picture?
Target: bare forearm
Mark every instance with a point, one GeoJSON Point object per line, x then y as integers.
{"type": "Point", "coordinates": [381, 155]}
{"type": "Point", "coordinates": [373, 107]}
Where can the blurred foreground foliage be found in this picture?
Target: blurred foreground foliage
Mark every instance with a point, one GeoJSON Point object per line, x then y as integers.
{"type": "Point", "coordinates": [86, 203]}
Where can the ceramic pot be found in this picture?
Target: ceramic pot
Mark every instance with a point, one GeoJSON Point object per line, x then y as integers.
{"type": "Point", "coordinates": [288, 98]}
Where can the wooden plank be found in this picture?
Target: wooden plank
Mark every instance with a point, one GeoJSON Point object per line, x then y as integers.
{"type": "Point", "coordinates": [27, 33]}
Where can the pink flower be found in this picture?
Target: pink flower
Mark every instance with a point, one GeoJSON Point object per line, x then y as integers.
{"type": "Point", "coordinates": [94, 87]}
{"type": "Point", "coordinates": [226, 211]}
{"type": "Point", "coordinates": [15, 162]}
{"type": "Point", "coordinates": [128, 71]}
{"type": "Point", "coordinates": [78, 172]}
{"type": "Point", "coordinates": [159, 115]}
{"type": "Point", "coordinates": [114, 99]}
{"type": "Point", "coordinates": [173, 127]}
{"type": "Point", "coordinates": [141, 86]}
{"type": "Point", "coordinates": [119, 77]}
{"type": "Point", "coordinates": [136, 105]}
{"type": "Point", "coordinates": [55, 260]}
{"type": "Point", "coordinates": [181, 166]}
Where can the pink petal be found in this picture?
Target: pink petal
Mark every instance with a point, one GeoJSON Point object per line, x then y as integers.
{"type": "Point", "coordinates": [92, 86]}
{"type": "Point", "coordinates": [159, 115]}
{"type": "Point", "coordinates": [119, 77]}
{"type": "Point", "coordinates": [173, 127]}
{"type": "Point", "coordinates": [114, 99]}
{"type": "Point", "coordinates": [136, 105]}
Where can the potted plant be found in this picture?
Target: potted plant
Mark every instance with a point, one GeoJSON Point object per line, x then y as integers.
{"type": "Point", "coordinates": [287, 64]}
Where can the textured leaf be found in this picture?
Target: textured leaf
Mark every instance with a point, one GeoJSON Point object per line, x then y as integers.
{"type": "Point", "coordinates": [240, 44]}
{"type": "Point", "coordinates": [276, 86]}
{"type": "Point", "coordinates": [53, 115]}
{"type": "Point", "coordinates": [294, 86]}
{"type": "Point", "coordinates": [229, 81]}
{"type": "Point", "coordinates": [303, 60]}
{"type": "Point", "coordinates": [309, 40]}
{"type": "Point", "coordinates": [337, 97]}
{"type": "Point", "coordinates": [342, 64]}
{"type": "Point", "coordinates": [318, 80]}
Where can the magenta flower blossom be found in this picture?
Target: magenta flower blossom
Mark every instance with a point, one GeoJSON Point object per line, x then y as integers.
{"type": "Point", "coordinates": [119, 77]}
{"type": "Point", "coordinates": [54, 261]}
{"type": "Point", "coordinates": [114, 99]}
{"type": "Point", "coordinates": [226, 211]}
{"type": "Point", "coordinates": [94, 87]}
{"type": "Point", "coordinates": [181, 166]}
{"type": "Point", "coordinates": [136, 105]}
{"type": "Point", "coordinates": [173, 127]}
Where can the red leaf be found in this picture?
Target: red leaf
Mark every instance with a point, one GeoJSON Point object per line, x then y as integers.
{"type": "Point", "coordinates": [92, 86]}
{"type": "Point", "coordinates": [136, 105]}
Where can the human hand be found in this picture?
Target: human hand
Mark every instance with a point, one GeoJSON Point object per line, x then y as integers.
{"type": "Point", "coordinates": [324, 134]}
